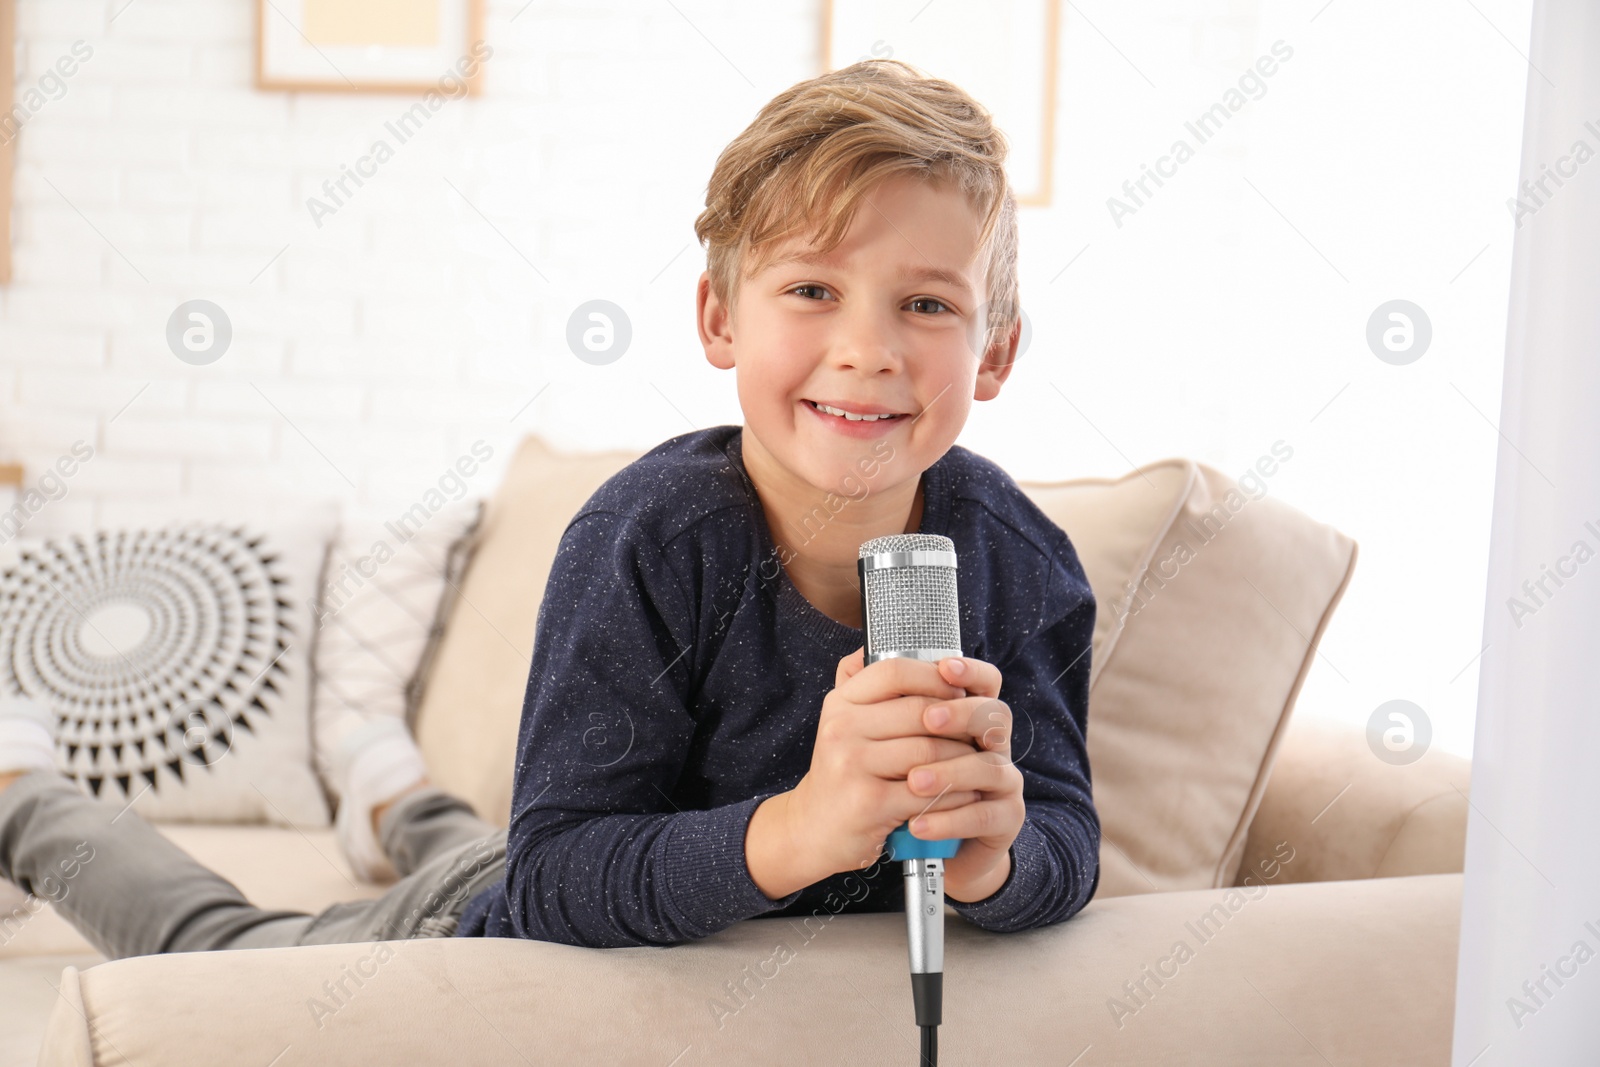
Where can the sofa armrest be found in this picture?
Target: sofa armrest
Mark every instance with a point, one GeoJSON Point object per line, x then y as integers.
{"type": "Point", "coordinates": [824, 989]}
{"type": "Point", "coordinates": [1341, 813]}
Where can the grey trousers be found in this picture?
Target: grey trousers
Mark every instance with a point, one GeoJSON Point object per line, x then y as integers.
{"type": "Point", "coordinates": [131, 892]}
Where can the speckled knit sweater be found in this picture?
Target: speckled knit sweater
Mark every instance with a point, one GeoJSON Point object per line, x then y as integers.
{"type": "Point", "coordinates": [677, 681]}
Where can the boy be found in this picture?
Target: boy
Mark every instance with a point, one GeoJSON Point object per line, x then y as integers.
{"type": "Point", "coordinates": [700, 742]}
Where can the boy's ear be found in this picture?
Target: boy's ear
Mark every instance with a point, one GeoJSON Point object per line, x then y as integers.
{"type": "Point", "coordinates": [714, 324]}
{"type": "Point", "coordinates": [997, 363]}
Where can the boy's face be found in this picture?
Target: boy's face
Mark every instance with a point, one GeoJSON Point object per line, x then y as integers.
{"type": "Point", "coordinates": [891, 320]}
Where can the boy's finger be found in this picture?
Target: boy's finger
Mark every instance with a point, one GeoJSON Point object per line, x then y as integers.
{"type": "Point", "coordinates": [976, 676]}
{"type": "Point", "coordinates": [984, 722]}
{"type": "Point", "coordinates": [850, 666]}
{"type": "Point", "coordinates": [984, 818]}
{"type": "Point", "coordinates": [896, 677]}
{"type": "Point", "coordinates": [980, 771]}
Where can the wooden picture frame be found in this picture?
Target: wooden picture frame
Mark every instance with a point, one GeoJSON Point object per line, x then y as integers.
{"type": "Point", "coordinates": [1028, 120]}
{"type": "Point", "coordinates": [11, 494]}
{"type": "Point", "coordinates": [8, 156]}
{"type": "Point", "coordinates": [287, 59]}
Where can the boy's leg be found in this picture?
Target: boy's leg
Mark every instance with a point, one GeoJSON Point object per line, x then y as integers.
{"type": "Point", "coordinates": [444, 854]}
{"type": "Point", "coordinates": [424, 823]}
{"type": "Point", "coordinates": [128, 889]}
{"type": "Point", "coordinates": [132, 892]}
{"type": "Point", "coordinates": [427, 902]}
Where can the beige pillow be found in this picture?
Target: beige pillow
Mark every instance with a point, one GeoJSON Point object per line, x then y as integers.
{"type": "Point", "coordinates": [1210, 605]}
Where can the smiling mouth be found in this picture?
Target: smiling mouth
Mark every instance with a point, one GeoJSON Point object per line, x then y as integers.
{"type": "Point", "coordinates": [848, 417]}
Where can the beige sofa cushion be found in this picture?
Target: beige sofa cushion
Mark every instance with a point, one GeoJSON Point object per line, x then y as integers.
{"type": "Point", "coordinates": [1348, 815]}
{"type": "Point", "coordinates": [1190, 691]}
{"type": "Point", "coordinates": [1210, 605]}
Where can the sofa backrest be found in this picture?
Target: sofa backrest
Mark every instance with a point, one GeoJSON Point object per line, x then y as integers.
{"type": "Point", "coordinates": [1210, 605]}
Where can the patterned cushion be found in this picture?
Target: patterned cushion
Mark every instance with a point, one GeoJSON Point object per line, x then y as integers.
{"type": "Point", "coordinates": [177, 660]}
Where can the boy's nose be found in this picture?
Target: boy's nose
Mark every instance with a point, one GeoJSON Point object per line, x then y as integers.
{"type": "Point", "coordinates": [867, 346]}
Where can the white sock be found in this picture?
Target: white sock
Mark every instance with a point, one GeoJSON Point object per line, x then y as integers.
{"type": "Point", "coordinates": [26, 744]}
{"type": "Point", "coordinates": [26, 740]}
{"type": "Point", "coordinates": [375, 761]}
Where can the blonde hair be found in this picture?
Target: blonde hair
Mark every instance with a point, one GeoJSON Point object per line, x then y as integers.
{"type": "Point", "coordinates": [811, 155]}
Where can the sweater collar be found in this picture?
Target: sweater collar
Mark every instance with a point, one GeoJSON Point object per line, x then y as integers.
{"type": "Point", "coordinates": [831, 634]}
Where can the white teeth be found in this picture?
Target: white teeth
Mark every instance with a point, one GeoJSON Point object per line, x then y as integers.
{"type": "Point", "coordinates": [847, 415]}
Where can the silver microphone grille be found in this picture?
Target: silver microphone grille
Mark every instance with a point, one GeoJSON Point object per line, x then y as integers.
{"type": "Point", "coordinates": [908, 594]}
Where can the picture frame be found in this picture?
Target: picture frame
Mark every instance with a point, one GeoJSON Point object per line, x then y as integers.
{"type": "Point", "coordinates": [368, 46]}
{"type": "Point", "coordinates": [8, 81]}
{"type": "Point", "coordinates": [10, 492]}
{"type": "Point", "coordinates": [1007, 59]}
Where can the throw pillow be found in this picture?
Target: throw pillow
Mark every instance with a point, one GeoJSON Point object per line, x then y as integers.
{"type": "Point", "coordinates": [389, 583]}
{"type": "Point", "coordinates": [1211, 597]}
{"type": "Point", "coordinates": [177, 660]}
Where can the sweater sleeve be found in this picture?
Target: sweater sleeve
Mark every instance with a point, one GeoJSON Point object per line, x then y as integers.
{"type": "Point", "coordinates": [1055, 860]}
{"type": "Point", "coordinates": [598, 855]}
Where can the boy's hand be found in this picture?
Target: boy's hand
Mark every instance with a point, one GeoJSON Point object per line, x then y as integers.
{"type": "Point", "coordinates": [874, 731]}
{"type": "Point", "coordinates": [989, 824]}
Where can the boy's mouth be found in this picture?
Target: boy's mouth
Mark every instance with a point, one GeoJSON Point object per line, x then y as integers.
{"type": "Point", "coordinates": [855, 413]}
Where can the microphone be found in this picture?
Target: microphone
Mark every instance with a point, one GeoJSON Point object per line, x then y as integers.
{"type": "Point", "coordinates": [909, 608]}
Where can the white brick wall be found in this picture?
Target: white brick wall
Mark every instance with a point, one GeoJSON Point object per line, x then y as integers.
{"type": "Point", "coordinates": [371, 351]}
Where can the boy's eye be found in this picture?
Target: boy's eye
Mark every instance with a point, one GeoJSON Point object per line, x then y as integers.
{"type": "Point", "coordinates": [940, 304]}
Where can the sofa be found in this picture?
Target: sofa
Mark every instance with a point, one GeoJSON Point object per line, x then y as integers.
{"type": "Point", "coordinates": [1271, 891]}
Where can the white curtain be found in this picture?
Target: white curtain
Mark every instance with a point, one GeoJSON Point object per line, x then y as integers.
{"type": "Point", "coordinates": [1528, 983]}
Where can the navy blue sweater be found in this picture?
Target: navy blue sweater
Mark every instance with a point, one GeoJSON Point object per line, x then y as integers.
{"type": "Point", "coordinates": [677, 681]}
